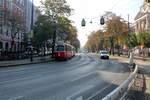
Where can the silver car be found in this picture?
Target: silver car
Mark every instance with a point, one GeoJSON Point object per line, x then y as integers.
{"type": "Point", "coordinates": [104, 55]}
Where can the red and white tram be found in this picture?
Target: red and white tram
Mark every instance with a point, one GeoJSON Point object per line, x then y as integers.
{"type": "Point", "coordinates": [64, 51]}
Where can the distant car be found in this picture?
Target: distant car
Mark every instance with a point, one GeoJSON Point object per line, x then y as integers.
{"type": "Point", "coordinates": [104, 55]}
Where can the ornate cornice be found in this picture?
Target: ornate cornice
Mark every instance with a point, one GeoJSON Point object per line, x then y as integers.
{"type": "Point", "coordinates": [145, 9]}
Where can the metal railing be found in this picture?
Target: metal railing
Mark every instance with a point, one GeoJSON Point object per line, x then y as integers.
{"type": "Point", "coordinates": [123, 88]}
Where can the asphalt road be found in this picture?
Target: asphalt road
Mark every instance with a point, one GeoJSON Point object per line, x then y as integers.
{"type": "Point", "coordinates": [81, 77]}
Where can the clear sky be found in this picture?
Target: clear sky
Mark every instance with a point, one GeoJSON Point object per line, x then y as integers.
{"type": "Point", "coordinates": [90, 9]}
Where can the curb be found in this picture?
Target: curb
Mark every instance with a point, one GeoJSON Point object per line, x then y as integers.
{"type": "Point", "coordinates": [13, 65]}
{"type": "Point", "coordinates": [137, 58]}
{"type": "Point", "coordinates": [144, 59]}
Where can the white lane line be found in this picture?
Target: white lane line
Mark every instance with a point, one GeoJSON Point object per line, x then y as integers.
{"type": "Point", "coordinates": [79, 92]}
{"type": "Point", "coordinates": [17, 98]}
{"type": "Point", "coordinates": [90, 73]}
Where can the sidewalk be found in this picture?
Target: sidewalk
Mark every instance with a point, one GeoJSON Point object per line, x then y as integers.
{"type": "Point", "coordinates": [138, 58]}
{"type": "Point", "coordinates": [142, 84]}
{"type": "Point", "coordinates": [25, 61]}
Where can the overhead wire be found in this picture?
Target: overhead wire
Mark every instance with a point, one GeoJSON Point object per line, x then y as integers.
{"type": "Point", "coordinates": [118, 1]}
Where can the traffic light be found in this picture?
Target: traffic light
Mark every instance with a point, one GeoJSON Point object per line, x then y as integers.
{"type": "Point", "coordinates": [102, 21]}
{"type": "Point", "coordinates": [83, 23]}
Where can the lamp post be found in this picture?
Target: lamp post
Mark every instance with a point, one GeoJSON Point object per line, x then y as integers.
{"type": "Point", "coordinates": [31, 32]}
{"type": "Point", "coordinates": [53, 43]}
{"type": "Point", "coordinates": [54, 35]}
{"type": "Point", "coordinates": [18, 50]}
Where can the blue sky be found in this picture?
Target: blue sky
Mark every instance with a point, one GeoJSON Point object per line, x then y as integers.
{"type": "Point", "coordinates": [95, 8]}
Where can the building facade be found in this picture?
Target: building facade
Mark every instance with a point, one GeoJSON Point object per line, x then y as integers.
{"type": "Point", "coordinates": [142, 19]}
{"type": "Point", "coordinates": [21, 10]}
{"type": "Point", "coordinates": [11, 11]}
{"type": "Point", "coordinates": [142, 22]}
{"type": "Point", "coordinates": [28, 11]}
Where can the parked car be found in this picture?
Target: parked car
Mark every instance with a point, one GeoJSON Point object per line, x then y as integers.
{"type": "Point", "coordinates": [104, 54]}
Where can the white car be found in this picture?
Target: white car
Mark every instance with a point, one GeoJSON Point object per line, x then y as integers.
{"type": "Point", "coordinates": [104, 54]}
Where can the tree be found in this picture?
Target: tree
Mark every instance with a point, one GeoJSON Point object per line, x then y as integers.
{"type": "Point", "coordinates": [116, 35]}
{"type": "Point", "coordinates": [66, 25]}
{"type": "Point", "coordinates": [16, 22]}
{"type": "Point", "coordinates": [53, 9]}
{"type": "Point", "coordinates": [143, 37]}
{"type": "Point", "coordinates": [54, 18]}
{"type": "Point", "coordinates": [96, 40]}
{"type": "Point", "coordinates": [140, 38]}
{"type": "Point", "coordinates": [118, 31]}
{"type": "Point", "coordinates": [43, 31]}
{"type": "Point", "coordinates": [132, 40]}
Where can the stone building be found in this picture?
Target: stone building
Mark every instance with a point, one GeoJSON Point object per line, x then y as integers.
{"type": "Point", "coordinates": [20, 8]}
{"type": "Point", "coordinates": [142, 19]}
{"type": "Point", "coordinates": [8, 8]}
{"type": "Point", "coordinates": [142, 22]}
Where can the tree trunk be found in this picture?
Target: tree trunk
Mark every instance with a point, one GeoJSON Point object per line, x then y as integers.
{"type": "Point", "coordinates": [112, 46]}
{"type": "Point", "coordinates": [118, 49]}
{"type": "Point", "coordinates": [53, 44]}
{"type": "Point", "coordinates": [44, 48]}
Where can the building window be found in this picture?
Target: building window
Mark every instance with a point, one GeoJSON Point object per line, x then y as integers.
{"type": "Point", "coordinates": [137, 26]}
{"type": "Point", "coordinates": [1, 2]}
{"type": "Point", "coordinates": [1, 45]}
{"type": "Point", "coordinates": [6, 46]}
{"type": "Point", "coordinates": [22, 2]}
{"type": "Point", "coordinates": [145, 24]}
{"type": "Point", "coordinates": [1, 28]}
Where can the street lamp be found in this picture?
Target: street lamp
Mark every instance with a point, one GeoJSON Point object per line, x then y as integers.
{"type": "Point", "coordinates": [31, 32]}
{"type": "Point", "coordinates": [53, 43]}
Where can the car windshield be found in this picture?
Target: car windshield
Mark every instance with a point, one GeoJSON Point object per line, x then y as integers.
{"type": "Point", "coordinates": [104, 52]}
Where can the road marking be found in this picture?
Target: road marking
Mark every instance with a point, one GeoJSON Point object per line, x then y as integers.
{"type": "Point", "coordinates": [79, 92]}
{"type": "Point", "coordinates": [17, 98]}
{"type": "Point", "coordinates": [82, 77]}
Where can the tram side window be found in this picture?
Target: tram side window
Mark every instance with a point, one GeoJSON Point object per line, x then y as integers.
{"type": "Point", "coordinates": [68, 48]}
{"type": "Point", "coordinates": [60, 48]}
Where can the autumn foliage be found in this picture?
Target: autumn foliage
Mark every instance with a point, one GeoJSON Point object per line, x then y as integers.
{"type": "Point", "coordinates": [115, 36]}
